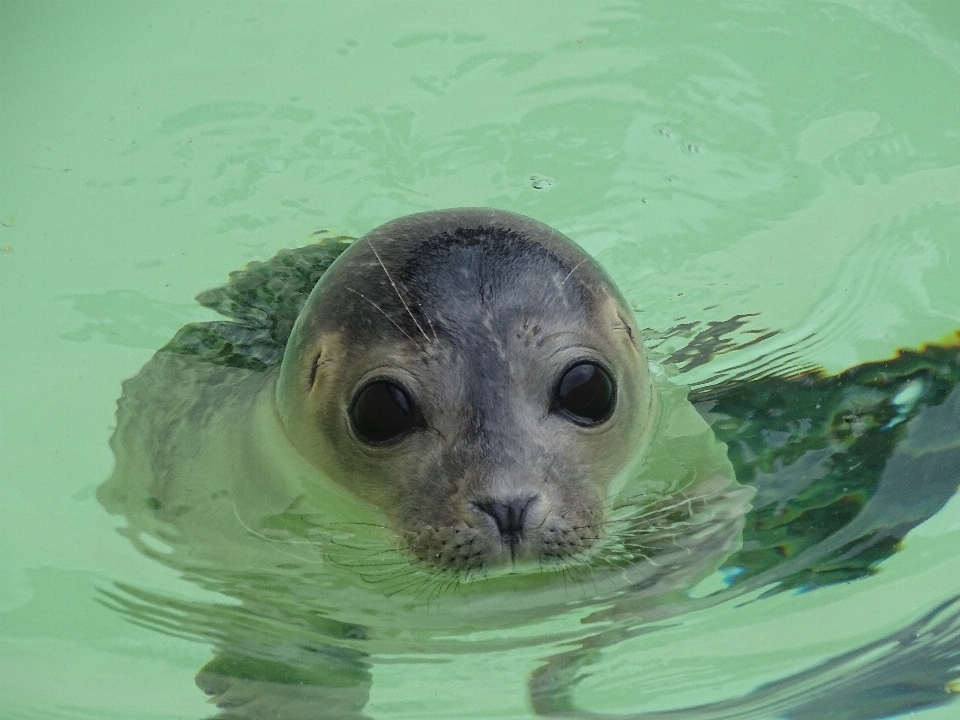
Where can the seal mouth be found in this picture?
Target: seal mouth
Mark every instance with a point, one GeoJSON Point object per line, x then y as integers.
{"type": "Point", "coordinates": [493, 532]}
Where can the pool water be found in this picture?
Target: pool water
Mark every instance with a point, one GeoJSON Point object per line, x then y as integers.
{"type": "Point", "coordinates": [797, 163]}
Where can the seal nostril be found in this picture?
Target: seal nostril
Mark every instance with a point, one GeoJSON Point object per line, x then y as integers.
{"type": "Point", "coordinates": [509, 515]}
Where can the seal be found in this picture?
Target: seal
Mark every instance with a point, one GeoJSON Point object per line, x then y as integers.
{"type": "Point", "coordinates": [462, 398]}
{"type": "Point", "coordinates": [476, 374]}
{"type": "Point", "coordinates": [469, 380]}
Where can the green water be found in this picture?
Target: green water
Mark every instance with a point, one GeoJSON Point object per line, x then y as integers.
{"type": "Point", "coordinates": [799, 161]}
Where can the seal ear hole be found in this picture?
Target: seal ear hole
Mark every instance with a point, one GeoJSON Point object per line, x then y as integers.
{"type": "Point", "coordinates": [314, 367]}
{"type": "Point", "coordinates": [626, 326]}
{"type": "Point", "coordinates": [382, 412]}
{"type": "Point", "coordinates": [586, 393]}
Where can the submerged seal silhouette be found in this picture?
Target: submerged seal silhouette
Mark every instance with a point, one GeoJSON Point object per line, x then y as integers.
{"type": "Point", "coordinates": [477, 375]}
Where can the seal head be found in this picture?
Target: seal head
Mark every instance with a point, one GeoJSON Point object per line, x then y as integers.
{"type": "Point", "coordinates": [479, 378]}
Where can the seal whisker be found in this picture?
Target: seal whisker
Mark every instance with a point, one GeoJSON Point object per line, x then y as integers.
{"type": "Point", "coordinates": [395, 556]}
{"type": "Point", "coordinates": [385, 551]}
{"type": "Point", "coordinates": [411, 583]}
{"type": "Point", "coordinates": [452, 585]}
{"type": "Point", "coordinates": [378, 526]}
{"type": "Point", "coordinates": [371, 564]}
{"type": "Point", "coordinates": [387, 565]}
{"type": "Point", "coordinates": [646, 513]}
{"type": "Point", "coordinates": [434, 586]}
{"type": "Point", "coordinates": [387, 591]}
{"type": "Point", "coordinates": [399, 574]}
{"type": "Point", "coordinates": [685, 548]}
{"type": "Point", "coordinates": [573, 574]}
{"type": "Point", "coordinates": [616, 500]}
{"type": "Point", "coordinates": [395, 323]}
{"type": "Point", "coordinates": [408, 571]}
{"type": "Point", "coordinates": [256, 534]}
{"type": "Point", "coordinates": [426, 317]}
{"type": "Point", "coordinates": [397, 290]}
{"type": "Point", "coordinates": [575, 268]}
{"type": "Point", "coordinates": [619, 560]}
{"type": "Point", "coordinates": [401, 577]}
{"type": "Point", "coordinates": [344, 523]}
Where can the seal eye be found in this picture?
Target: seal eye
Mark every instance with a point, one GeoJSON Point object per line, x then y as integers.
{"type": "Point", "coordinates": [586, 393]}
{"type": "Point", "coordinates": [382, 411]}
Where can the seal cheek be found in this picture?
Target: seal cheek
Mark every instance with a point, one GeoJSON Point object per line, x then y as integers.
{"type": "Point", "coordinates": [456, 548]}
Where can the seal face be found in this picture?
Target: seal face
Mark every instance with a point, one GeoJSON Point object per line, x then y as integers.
{"type": "Point", "coordinates": [478, 377]}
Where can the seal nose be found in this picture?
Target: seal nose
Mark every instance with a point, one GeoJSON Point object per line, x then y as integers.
{"type": "Point", "coordinates": [509, 515]}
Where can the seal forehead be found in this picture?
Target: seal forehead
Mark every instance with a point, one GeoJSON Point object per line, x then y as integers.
{"type": "Point", "coordinates": [493, 278]}
{"type": "Point", "coordinates": [438, 272]}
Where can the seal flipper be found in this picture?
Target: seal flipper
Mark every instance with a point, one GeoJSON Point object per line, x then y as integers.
{"type": "Point", "coordinates": [262, 302]}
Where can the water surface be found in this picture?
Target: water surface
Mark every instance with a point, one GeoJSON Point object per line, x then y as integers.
{"type": "Point", "coordinates": [799, 161]}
